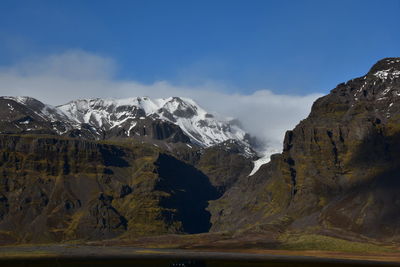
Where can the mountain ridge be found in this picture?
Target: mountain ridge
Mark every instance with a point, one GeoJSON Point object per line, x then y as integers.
{"type": "Point", "coordinates": [337, 176]}
{"type": "Point", "coordinates": [338, 169]}
{"type": "Point", "coordinates": [175, 119]}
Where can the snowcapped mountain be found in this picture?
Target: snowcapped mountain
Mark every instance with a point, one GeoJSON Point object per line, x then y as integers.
{"type": "Point", "coordinates": [201, 127]}
{"type": "Point", "coordinates": [173, 119]}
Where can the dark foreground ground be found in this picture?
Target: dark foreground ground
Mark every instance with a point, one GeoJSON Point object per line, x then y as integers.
{"type": "Point", "coordinates": [69, 255]}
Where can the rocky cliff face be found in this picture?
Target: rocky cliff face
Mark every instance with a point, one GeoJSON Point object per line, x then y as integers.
{"type": "Point", "coordinates": [56, 189]}
{"type": "Point", "coordinates": [339, 168]}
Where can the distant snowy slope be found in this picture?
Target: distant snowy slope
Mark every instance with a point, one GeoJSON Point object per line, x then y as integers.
{"type": "Point", "coordinates": [201, 127]}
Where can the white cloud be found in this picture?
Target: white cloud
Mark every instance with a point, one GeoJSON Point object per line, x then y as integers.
{"type": "Point", "coordinates": [73, 64]}
{"type": "Point", "coordinates": [57, 79]}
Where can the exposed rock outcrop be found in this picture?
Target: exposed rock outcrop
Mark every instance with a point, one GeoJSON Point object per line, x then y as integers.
{"type": "Point", "coordinates": [339, 167]}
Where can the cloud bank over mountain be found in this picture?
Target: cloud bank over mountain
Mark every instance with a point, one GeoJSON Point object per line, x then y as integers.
{"type": "Point", "coordinates": [59, 78]}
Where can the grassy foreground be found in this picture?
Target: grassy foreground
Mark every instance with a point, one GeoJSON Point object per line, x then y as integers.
{"type": "Point", "coordinates": [327, 243]}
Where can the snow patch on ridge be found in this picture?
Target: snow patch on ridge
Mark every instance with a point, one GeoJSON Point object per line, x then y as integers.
{"type": "Point", "coordinates": [386, 74]}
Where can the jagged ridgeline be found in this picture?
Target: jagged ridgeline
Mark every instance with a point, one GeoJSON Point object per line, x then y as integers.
{"type": "Point", "coordinates": [100, 169]}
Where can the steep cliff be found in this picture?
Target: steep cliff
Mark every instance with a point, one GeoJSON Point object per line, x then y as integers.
{"type": "Point", "coordinates": [57, 189]}
{"type": "Point", "coordinates": [339, 168]}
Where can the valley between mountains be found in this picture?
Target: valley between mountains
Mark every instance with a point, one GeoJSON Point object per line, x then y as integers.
{"type": "Point", "coordinates": [165, 172]}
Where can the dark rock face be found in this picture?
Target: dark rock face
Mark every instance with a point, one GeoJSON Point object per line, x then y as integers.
{"type": "Point", "coordinates": [159, 130]}
{"type": "Point", "coordinates": [189, 192]}
{"type": "Point", "coordinates": [224, 165]}
{"type": "Point", "coordinates": [339, 167]}
{"type": "Point", "coordinates": [54, 189]}
{"type": "Point", "coordinates": [48, 184]}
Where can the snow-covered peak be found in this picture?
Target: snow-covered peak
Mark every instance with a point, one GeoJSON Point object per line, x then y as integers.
{"type": "Point", "coordinates": [201, 127]}
{"type": "Point", "coordinates": [140, 117]}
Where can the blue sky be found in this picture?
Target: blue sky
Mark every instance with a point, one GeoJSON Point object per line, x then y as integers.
{"type": "Point", "coordinates": [262, 62]}
{"type": "Point", "coordinates": [289, 47]}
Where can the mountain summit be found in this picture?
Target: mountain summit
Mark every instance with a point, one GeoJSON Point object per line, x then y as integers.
{"type": "Point", "coordinates": [124, 114]}
{"type": "Point", "coordinates": [172, 119]}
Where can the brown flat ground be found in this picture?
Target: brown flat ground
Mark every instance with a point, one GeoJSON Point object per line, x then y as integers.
{"type": "Point", "coordinates": [290, 248]}
{"type": "Point", "coordinates": [73, 252]}
{"type": "Point", "coordinates": [381, 257]}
